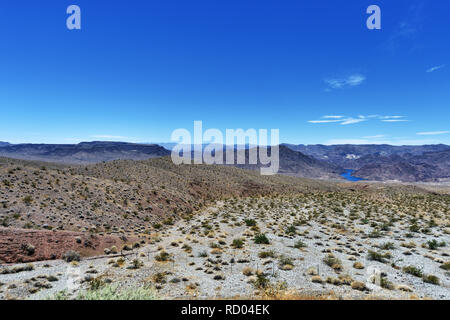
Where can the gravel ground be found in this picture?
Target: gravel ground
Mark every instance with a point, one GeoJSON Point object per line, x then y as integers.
{"type": "Point", "coordinates": [220, 274]}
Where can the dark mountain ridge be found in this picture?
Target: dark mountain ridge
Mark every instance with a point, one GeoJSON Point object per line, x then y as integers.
{"type": "Point", "coordinates": [353, 156]}
{"type": "Point", "coordinates": [372, 162]}
{"type": "Point", "coordinates": [84, 152]}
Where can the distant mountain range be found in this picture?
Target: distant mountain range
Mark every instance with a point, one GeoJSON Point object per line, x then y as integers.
{"type": "Point", "coordinates": [372, 162]}
{"type": "Point", "coordinates": [84, 152]}
{"type": "Point", "coordinates": [386, 162]}
{"type": "Point", "coordinates": [295, 163]}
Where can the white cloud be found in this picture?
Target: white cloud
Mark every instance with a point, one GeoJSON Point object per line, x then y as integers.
{"type": "Point", "coordinates": [394, 120]}
{"type": "Point", "coordinates": [394, 141]}
{"type": "Point", "coordinates": [323, 121]}
{"type": "Point", "coordinates": [352, 120]}
{"type": "Point", "coordinates": [391, 117]}
{"type": "Point", "coordinates": [350, 81]}
{"type": "Point", "coordinates": [333, 117]}
{"type": "Point", "coordinates": [432, 133]}
{"type": "Point", "coordinates": [432, 69]}
{"type": "Point", "coordinates": [360, 118]}
{"type": "Point", "coordinates": [355, 80]}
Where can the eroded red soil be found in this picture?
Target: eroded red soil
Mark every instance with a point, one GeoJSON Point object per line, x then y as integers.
{"type": "Point", "coordinates": [50, 245]}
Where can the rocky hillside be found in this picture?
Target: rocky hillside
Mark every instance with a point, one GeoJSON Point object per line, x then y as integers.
{"type": "Point", "coordinates": [297, 164]}
{"type": "Point", "coordinates": [351, 156]}
{"type": "Point", "coordinates": [430, 166]}
{"type": "Point", "coordinates": [124, 196]}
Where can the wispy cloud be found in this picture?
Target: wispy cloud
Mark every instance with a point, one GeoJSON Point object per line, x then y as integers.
{"type": "Point", "coordinates": [323, 121]}
{"type": "Point", "coordinates": [352, 120]}
{"type": "Point", "coordinates": [394, 120]}
{"type": "Point", "coordinates": [333, 117]}
{"type": "Point", "coordinates": [391, 117]}
{"type": "Point", "coordinates": [347, 82]}
{"type": "Point", "coordinates": [432, 133]}
{"type": "Point", "coordinates": [432, 69]}
{"type": "Point", "coordinates": [343, 120]}
{"type": "Point", "coordinates": [391, 141]}
{"type": "Point", "coordinates": [406, 31]}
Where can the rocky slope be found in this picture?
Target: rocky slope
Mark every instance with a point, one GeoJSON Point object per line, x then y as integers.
{"type": "Point", "coordinates": [430, 166]}
{"type": "Point", "coordinates": [356, 243]}
{"type": "Point", "coordinates": [352, 156]}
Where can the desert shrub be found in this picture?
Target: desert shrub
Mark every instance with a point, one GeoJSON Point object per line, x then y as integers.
{"type": "Point", "coordinates": [114, 250]}
{"type": "Point", "coordinates": [291, 230]}
{"type": "Point", "coordinates": [203, 254]}
{"type": "Point", "coordinates": [262, 281]}
{"type": "Point", "coordinates": [377, 256]}
{"type": "Point", "coordinates": [445, 266]}
{"type": "Point", "coordinates": [413, 271]}
{"type": "Point", "coordinates": [333, 262]}
{"type": "Point", "coordinates": [250, 222]}
{"type": "Point", "coordinates": [387, 246]}
{"type": "Point", "coordinates": [29, 249]}
{"type": "Point", "coordinates": [433, 244]}
{"type": "Point", "coordinates": [214, 245]}
{"type": "Point", "coordinates": [71, 255]}
{"type": "Point", "coordinates": [300, 244]}
{"type": "Point", "coordinates": [159, 277]}
{"type": "Point", "coordinates": [357, 285]}
{"type": "Point", "coordinates": [247, 271]}
{"type": "Point", "coordinates": [96, 283]}
{"type": "Point", "coordinates": [429, 278]}
{"type": "Point", "coordinates": [120, 262]}
{"type": "Point", "coordinates": [237, 243]}
{"type": "Point", "coordinates": [27, 200]}
{"type": "Point", "coordinates": [162, 256]}
{"type": "Point", "coordinates": [187, 248]}
{"type": "Point", "coordinates": [266, 254]}
{"type": "Point", "coordinates": [261, 239]}
{"type": "Point", "coordinates": [127, 247]}
{"type": "Point", "coordinates": [386, 284]}
{"type": "Point", "coordinates": [136, 264]}
{"type": "Point", "coordinates": [414, 228]}
{"type": "Point", "coordinates": [375, 234]}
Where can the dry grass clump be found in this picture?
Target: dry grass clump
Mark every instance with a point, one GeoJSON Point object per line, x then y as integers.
{"type": "Point", "coordinates": [429, 278]}
{"type": "Point", "coordinates": [333, 262]}
{"type": "Point", "coordinates": [163, 256]}
{"type": "Point", "coordinates": [378, 256]}
{"type": "Point", "coordinates": [247, 271]}
{"type": "Point", "coordinates": [267, 254]}
{"type": "Point", "coordinates": [358, 285]}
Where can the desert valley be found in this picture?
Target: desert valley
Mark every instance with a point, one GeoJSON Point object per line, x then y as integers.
{"type": "Point", "coordinates": [118, 220]}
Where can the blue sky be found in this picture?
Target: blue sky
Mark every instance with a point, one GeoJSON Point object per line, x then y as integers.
{"type": "Point", "coordinates": [137, 70]}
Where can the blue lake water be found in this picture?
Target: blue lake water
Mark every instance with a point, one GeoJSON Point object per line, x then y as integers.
{"type": "Point", "coordinates": [348, 175]}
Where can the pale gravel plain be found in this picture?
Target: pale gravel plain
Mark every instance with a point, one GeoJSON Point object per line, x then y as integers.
{"type": "Point", "coordinates": [349, 246]}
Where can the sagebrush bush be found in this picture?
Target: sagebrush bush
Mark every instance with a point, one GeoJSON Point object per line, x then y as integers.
{"type": "Point", "coordinates": [261, 239]}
